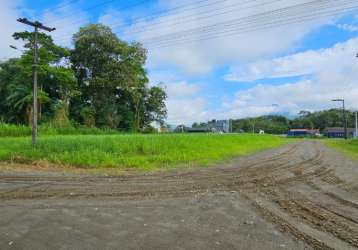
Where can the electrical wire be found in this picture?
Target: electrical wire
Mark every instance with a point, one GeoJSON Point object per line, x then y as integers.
{"type": "Point", "coordinates": [224, 27]}
{"type": "Point", "coordinates": [264, 26]}
{"type": "Point", "coordinates": [262, 15]}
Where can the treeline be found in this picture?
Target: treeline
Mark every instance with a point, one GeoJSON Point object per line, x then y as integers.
{"type": "Point", "coordinates": [276, 124]}
{"type": "Point", "coordinates": [101, 82]}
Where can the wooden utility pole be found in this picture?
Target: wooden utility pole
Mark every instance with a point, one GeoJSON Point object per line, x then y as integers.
{"type": "Point", "coordinates": [37, 26]}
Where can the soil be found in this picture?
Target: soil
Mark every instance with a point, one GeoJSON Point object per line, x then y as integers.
{"type": "Point", "coordinates": [301, 196]}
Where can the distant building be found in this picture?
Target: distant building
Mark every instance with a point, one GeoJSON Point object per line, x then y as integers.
{"type": "Point", "coordinates": [180, 129]}
{"type": "Point", "coordinates": [303, 132]}
{"type": "Point", "coordinates": [220, 126]}
{"type": "Point", "coordinates": [338, 132]}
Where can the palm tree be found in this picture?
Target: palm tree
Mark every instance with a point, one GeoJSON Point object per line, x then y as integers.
{"type": "Point", "coordinates": [21, 100]}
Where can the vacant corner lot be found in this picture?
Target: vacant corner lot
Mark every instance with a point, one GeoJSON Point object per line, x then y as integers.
{"type": "Point", "coordinates": [142, 152]}
{"type": "Point", "coordinates": [302, 195]}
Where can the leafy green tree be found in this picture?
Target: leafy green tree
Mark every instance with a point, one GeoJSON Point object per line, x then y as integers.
{"type": "Point", "coordinates": [102, 82]}
{"type": "Point", "coordinates": [113, 81]}
{"type": "Point", "coordinates": [21, 99]}
{"type": "Point", "coordinates": [56, 80]}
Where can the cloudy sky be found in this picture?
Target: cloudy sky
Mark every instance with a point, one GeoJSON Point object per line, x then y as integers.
{"type": "Point", "coordinates": [222, 58]}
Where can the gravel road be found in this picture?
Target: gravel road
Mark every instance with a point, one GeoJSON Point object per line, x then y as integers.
{"type": "Point", "coordinates": [301, 196]}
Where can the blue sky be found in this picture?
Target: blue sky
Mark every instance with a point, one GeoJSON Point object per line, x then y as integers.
{"type": "Point", "coordinates": [300, 65]}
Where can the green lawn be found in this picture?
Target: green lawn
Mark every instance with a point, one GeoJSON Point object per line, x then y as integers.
{"type": "Point", "coordinates": [349, 148]}
{"type": "Point", "coordinates": [144, 152]}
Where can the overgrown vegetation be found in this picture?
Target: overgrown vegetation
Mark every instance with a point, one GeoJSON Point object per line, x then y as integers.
{"type": "Point", "coordinates": [100, 83]}
{"type": "Point", "coordinates": [349, 148]}
{"type": "Point", "coordinates": [145, 152]}
{"type": "Point", "coordinates": [10, 130]}
{"type": "Point", "coordinates": [277, 124]}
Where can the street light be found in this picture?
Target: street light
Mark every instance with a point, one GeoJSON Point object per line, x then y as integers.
{"type": "Point", "coordinates": [344, 117]}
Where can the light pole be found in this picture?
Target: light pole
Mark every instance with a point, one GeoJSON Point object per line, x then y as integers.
{"type": "Point", "coordinates": [344, 117]}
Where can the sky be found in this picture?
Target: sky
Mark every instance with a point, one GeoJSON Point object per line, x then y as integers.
{"type": "Point", "coordinates": [221, 59]}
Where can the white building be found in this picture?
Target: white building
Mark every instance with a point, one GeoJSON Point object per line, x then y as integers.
{"type": "Point", "coordinates": [223, 126]}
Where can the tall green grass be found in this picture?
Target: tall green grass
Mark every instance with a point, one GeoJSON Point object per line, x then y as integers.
{"type": "Point", "coordinates": [135, 151]}
{"type": "Point", "coordinates": [9, 130]}
{"type": "Point", "coordinates": [349, 148]}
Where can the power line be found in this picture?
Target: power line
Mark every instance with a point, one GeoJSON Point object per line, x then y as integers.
{"type": "Point", "coordinates": [200, 29]}
{"type": "Point", "coordinates": [182, 19]}
{"type": "Point", "coordinates": [184, 8]}
{"type": "Point", "coordinates": [85, 9]}
{"type": "Point", "coordinates": [64, 5]}
{"type": "Point", "coordinates": [165, 12]}
{"type": "Point", "coordinates": [181, 8]}
{"type": "Point", "coordinates": [100, 5]}
{"type": "Point", "coordinates": [263, 26]}
{"type": "Point", "coordinates": [197, 17]}
{"type": "Point", "coordinates": [169, 11]}
{"type": "Point", "coordinates": [178, 37]}
{"type": "Point", "coordinates": [236, 21]}
{"type": "Point", "coordinates": [244, 30]}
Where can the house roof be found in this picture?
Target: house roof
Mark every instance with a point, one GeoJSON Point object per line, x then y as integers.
{"type": "Point", "coordinates": [304, 130]}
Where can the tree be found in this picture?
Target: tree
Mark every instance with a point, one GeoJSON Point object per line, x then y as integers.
{"type": "Point", "coordinates": [101, 82]}
{"type": "Point", "coordinates": [56, 80]}
{"type": "Point", "coordinates": [155, 106]}
{"type": "Point", "coordinates": [113, 81]}
{"type": "Point", "coordinates": [21, 99]}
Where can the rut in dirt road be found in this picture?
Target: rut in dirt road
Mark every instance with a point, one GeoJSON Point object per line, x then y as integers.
{"type": "Point", "coordinates": [305, 188]}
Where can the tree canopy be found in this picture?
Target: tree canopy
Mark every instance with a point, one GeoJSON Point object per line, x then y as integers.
{"type": "Point", "coordinates": [101, 82]}
{"type": "Point", "coordinates": [277, 124]}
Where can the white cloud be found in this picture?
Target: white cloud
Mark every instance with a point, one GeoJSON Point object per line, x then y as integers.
{"type": "Point", "coordinates": [182, 89]}
{"type": "Point", "coordinates": [9, 13]}
{"type": "Point", "coordinates": [111, 18]}
{"type": "Point", "coordinates": [338, 58]}
{"type": "Point", "coordinates": [334, 75]}
{"type": "Point", "coordinates": [204, 55]}
{"type": "Point", "coordinates": [67, 18]}
{"type": "Point", "coordinates": [185, 111]}
{"type": "Point", "coordinates": [348, 27]}
{"type": "Point", "coordinates": [184, 103]}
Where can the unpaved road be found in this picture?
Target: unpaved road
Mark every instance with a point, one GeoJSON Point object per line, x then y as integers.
{"type": "Point", "coordinates": [301, 196]}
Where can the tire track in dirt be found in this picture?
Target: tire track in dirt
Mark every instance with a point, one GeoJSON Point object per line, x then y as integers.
{"type": "Point", "coordinates": [281, 181]}
{"type": "Point", "coordinates": [298, 206]}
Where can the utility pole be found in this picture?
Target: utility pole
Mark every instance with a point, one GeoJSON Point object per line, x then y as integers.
{"type": "Point", "coordinates": [345, 120]}
{"type": "Point", "coordinates": [37, 25]}
{"type": "Point", "coordinates": [356, 135]}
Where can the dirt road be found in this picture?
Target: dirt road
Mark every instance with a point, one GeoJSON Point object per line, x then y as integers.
{"type": "Point", "coordinates": [301, 196]}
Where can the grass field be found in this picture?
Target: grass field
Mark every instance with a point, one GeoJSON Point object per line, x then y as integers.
{"type": "Point", "coordinates": [144, 152]}
{"type": "Point", "coordinates": [349, 148]}
{"type": "Point", "coordinates": [10, 130]}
